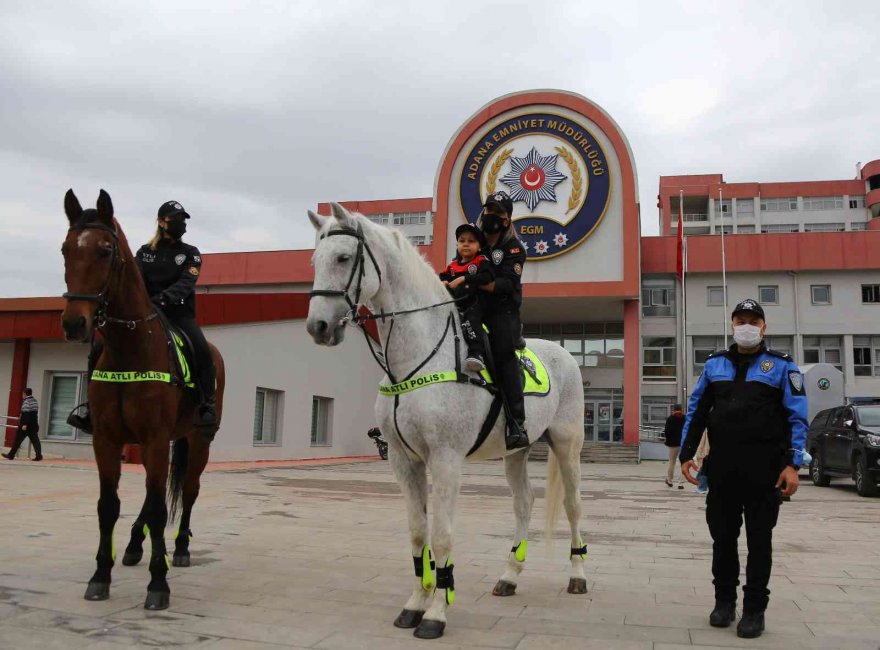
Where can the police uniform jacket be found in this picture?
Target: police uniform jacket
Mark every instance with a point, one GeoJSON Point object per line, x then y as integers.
{"type": "Point", "coordinates": [755, 409]}
{"type": "Point", "coordinates": [507, 260]}
{"type": "Point", "coordinates": [170, 272]}
{"type": "Point", "coordinates": [476, 272]}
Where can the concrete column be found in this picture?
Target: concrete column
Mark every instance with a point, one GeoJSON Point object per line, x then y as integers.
{"type": "Point", "coordinates": [17, 383]}
{"type": "Point", "coordinates": [849, 375]}
{"type": "Point", "coordinates": [632, 363]}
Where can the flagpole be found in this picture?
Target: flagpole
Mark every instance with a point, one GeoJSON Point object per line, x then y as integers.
{"type": "Point", "coordinates": [723, 268]}
{"type": "Point", "coordinates": [684, 364]}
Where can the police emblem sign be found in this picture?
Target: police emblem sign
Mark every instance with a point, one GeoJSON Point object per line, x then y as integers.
{"type": "Point", "coordinates": [554, 170]}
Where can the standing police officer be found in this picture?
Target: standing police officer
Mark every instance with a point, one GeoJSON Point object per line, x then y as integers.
{"type": "Point", "coordinates": [753, 402]}
{"type": "Point", "coordinates": [501, 308]}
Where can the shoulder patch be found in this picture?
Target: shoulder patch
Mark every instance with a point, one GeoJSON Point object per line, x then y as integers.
{"type": "Point", "coordinates": [517, 268]}
{"type": "Point", "coordinates": [781, 355]}
{"type": "Point", "coordinates": [515, 250]}
{"type": "Point", "coordinates": [193, 270]}
{"type": "Point", "coordinates": [796, 380]}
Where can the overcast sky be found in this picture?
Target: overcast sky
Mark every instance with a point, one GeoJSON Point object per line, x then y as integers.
{"type": "Point", "coordinates": [249, 113]}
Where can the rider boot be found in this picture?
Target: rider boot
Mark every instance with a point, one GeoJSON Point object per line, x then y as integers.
{"type": "Point", "coordinates": [83, 422]}
{"type": "Point", "coordinates": [515, 435]}
{"type": "Point", "coordinates": [206, 415]}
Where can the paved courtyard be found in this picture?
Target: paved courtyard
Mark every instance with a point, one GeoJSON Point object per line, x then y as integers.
{"type": "Point", "coordinates": [318, 557]}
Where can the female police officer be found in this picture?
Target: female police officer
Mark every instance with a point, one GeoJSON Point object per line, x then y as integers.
{"type": "Point", "coordinates": [501, 308]}
{"type": "Point", "coordinates": [170, 269]}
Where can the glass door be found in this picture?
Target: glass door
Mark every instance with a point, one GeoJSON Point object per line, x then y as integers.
{"type": "Point", "coordinates": [603, 421]}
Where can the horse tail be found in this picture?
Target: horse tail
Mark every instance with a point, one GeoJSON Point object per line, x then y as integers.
{"type": "Point", "coordinates": [177, 474]}
{"type": "Point", "coordinates": [553, 494]}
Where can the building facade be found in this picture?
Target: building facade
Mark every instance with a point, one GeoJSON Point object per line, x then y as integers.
{"type": "Point", "coordinates": [592, 283]}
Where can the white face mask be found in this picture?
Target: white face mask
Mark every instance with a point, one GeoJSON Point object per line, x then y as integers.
{"type": "Point", "coordinates": [747, 336]}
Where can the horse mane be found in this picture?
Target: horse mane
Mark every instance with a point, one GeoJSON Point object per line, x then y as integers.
{"type": "Point", "coordinates": [420, 272]}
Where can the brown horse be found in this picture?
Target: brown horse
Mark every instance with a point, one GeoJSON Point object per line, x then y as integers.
{"type": "Point", "coordinates": [105, 291]}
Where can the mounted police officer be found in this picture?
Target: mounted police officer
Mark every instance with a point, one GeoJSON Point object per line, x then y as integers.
{"type": "Point", "coordinates": [501, 308]}
{"type": "Point", "coordinates": [752, 401]}
{"type": "Point", "coordinates": [170, 269]}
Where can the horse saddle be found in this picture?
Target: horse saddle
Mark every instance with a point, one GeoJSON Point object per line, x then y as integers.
{"type": "Point", "coordinates": [536, 379]}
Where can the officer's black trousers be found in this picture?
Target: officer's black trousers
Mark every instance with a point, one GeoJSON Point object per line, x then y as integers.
{"type": "Point", "coordinates": [726, 503]}
{"type": "Point", "coordinates": [504, 332]}
{"type": "Point", "coordinates": [204, 362]}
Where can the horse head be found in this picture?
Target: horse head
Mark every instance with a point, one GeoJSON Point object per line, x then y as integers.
{"type": "Point", "coordinates": [347, 274]}
{"type": "Point", "coordinates": [91, 252]}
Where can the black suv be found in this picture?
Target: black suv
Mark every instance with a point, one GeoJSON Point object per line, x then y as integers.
{"type": "Point", "coordinates": [845, 441]}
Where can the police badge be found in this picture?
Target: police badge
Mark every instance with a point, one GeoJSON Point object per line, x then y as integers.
{"type": "Point", "coordinates": [180, 259]}
{"type": "Point", "coordinates": [767, 366]}
{"type": "Point", "coordinates": [497, 255]}
{"type": "Point", "coordinates": [472, 269]}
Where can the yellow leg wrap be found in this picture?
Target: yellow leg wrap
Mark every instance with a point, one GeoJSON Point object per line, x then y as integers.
{"type": "Point", "coordinates": [113, 544]}
{"type": "Point", "coordinates": [520, 552]}
{"type": "Point", "coordinates": [146, 531]}
{"type": "Point", "coordinates": [428, 580]}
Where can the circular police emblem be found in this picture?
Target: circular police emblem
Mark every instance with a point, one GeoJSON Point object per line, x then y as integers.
{"type": "Point", "coordinates": [767, 366]}
{"type": "Point", "coordinates": [177, 206]}
{"type": "Point", "coordinates": [179, 259]}
{"type": "Point", "coordinates": [556, 174]}
{"type": "Point", "coordinates": [472, 269]}
{"type": "Point", "coordinates": [497, 255]}
{"type": "Point", "coordinates": [824, 383]}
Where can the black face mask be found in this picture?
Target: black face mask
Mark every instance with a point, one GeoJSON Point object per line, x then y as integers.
{"type": "Point", "coordinates": [175, 229]}
{"type": "Point", "coordinates": [492, 224]}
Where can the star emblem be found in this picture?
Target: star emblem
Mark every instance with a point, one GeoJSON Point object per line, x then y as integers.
{"type": "Point", "coordinates": [541, 247]}
{"type": "Point", "coordinates": [532, 179]}
{"type": "Point", "coordinates": [561, 239]}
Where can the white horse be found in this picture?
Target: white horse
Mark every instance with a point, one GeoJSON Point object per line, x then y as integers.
{"type": "Point", "coordinates": [435, 426]}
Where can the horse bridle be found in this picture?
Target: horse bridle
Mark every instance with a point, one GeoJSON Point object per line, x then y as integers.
{"type": "Point", "coordinates": [358, 269]}
{"type": "Point", "coordinates": [103, 297]}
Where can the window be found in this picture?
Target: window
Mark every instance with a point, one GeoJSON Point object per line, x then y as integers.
{"type": "Point", "coordinates": [858, 225]}
{"type": "Point", "coordinates": [824, 227]}
{"type": "Point", "coordinates": [381, 219]}
{"type": "Point", "coordinates": [871, 293]}
{"type": "Point", "coordinates": [820, 294]}
{"type": "Point", "coordinates": [779, 205]}
{"type": "Point", "coordinates": [693, 216]}
{"type": "Point", "coordinates": [417, 240]}
{"type": "Point", "coordinates": [780, 344]}
{"type": "Point", "coordinates": [409, 218]}
{"type": "Point", "coordinates": [715, 296]}
{"type": "Point", "coordinates": [66, 390]}
{"type": "Point", "coordinates": [866, 356]}
{"type": "Point", "coordinates": [723, 208]}
{"type": "Point", "coordinates": [266, 410]}
{"type": "Point", "coordinates": [597, 345]}
{"type": "Point", "coordinates": [658, 358]}
{"type": "Point", "coordinates": [745, 230]}
{"type": "Point", "coordinates": [823, 203]}
{"type": "Point", "coordinates": [856, 202]}
{"type": "Point", "coordinates": [703, 347]}
{"type": "Point", "coordinates": [745, 207]}
{"type": "Point", "coordinates": [655, 411]}
{"type": "Point", "coordinates": [768, 295]}
{"type": "Point", "coordinates": [322, 412]}
{"type": "Point", "coordinates": [823, 349]}
{"type": "Point", "coordinates": [780, 227]}
{"type": "Point", "coordinates": [727, 230]}
{"type": "Point", "coordinates": [658, 297]}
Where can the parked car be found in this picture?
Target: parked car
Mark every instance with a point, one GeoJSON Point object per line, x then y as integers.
{"type": "Point", "coordinates": [845, 441]}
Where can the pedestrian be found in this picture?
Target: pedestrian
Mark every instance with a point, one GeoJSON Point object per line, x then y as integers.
{"type": "Point", "coordinates": [672, 438]}
{"type": "Point", "coordinates": [28, 426]}
{"type": "Point", "coordinates": [501, 306]}
{"type": "Point", "coordinates": [752, 401]}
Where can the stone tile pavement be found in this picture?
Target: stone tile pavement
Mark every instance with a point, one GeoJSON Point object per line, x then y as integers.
{"type": "Point", "coordinates": [318, 557]}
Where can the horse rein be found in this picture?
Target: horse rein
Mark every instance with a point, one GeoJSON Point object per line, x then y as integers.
{"type": "Point", "coordinates": [102, 297]}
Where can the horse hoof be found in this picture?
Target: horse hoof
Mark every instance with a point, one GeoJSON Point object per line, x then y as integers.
{"type": "Point", "coordinates": [132, 558]}
{"type": "Point", "coordinates": [157, 600]}
{"type": "Point", "coordinates": [180, 560]}
{"type": "Point", "coordinates": [429, 630]}
{"type": "Point", "coordinates": [504, 588]}
{"type": "Point", "coordinates": [408, 619]}
{"type": "Point", "coordinates": [577, 586]}
{"type": "Point", "coordinates": [97, 591]}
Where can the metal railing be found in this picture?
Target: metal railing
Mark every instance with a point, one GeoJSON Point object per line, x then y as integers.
{"type": "Point", "coordinates": [650, 433]}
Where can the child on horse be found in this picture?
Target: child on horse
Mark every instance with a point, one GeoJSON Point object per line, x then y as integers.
{"type": "Point", "coordinates": [170, 269]}
{"type": "Point", "coordinates": [468, 271]}
{"type": "Point", "coordinates": [501, 304]}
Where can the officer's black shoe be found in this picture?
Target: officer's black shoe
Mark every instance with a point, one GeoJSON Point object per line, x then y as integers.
{"type": "Point", "coordinates": [82, 422]}
{"type": "Point", "coordinates": [515, 436]}
{"type": "Point", "coordinates": [751, 625]}
{"type": "Point", "coordinates": [724, 613]}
